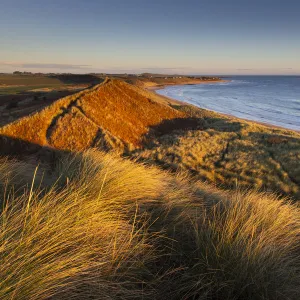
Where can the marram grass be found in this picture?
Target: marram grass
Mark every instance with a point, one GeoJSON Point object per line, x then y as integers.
{"type": "Point", "coordinates": [99, 227]}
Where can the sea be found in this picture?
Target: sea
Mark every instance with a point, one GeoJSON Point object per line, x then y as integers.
{"type": "Point", "coordinates": [269, 99]}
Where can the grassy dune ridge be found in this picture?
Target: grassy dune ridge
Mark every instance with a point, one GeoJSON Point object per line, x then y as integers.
{"type": "Point", "coordinates": [115, 115]}
{"type": "Point", "coordinates": [93, 116]}
{"type": "Point", "coordinates": [101, 227]}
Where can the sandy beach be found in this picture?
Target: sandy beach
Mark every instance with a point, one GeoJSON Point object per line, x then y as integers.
{"type": "Point", "coordinates": [173, 101]}
{"type": "Point", "coordinates": [154, 86]}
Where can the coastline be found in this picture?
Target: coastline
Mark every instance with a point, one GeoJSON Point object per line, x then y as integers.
{"type": "Point", "coordinates": [179, 102]}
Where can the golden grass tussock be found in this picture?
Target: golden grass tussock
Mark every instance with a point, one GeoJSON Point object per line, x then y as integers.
{"type": "Point", "coordinates": [20, 173]}
{"type": "Point", "coordinates": [100, 227]}
{"type": "Point", "coordinates": [242, 245]}
{"type": "Point", "coordinates": [76, 239]}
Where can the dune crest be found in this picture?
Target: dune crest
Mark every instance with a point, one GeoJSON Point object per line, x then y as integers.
{"type": "Point", "coordinates": [111, 114]}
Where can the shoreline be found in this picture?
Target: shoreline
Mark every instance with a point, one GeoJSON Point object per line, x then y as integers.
{"type": "Point", "coordinates": [180, 102]}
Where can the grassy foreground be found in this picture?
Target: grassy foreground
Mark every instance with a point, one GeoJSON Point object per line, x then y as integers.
{"type": "Point", "coordinates": [94, 226]}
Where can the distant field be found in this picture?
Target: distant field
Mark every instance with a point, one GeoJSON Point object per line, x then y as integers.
{"type": "Point", "coordinates": [15, 84]}
{"type": "Point", "coordinates": [56, 79]}
{"type": "Point", "coordinates": [27, 80]}
{"type": "Point", "coordinates": [10, 90]}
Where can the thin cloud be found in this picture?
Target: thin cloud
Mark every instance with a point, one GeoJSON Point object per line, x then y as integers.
{"type": "Point", "coordinates": [166, 69]}
{"type": "Point", "coordinates": [44, 66]}
{"type": "Point", "coordinates": [264, 69]}
{"type": "Point", "coordinates": [162, 68]}
{"type": "Point", "coordinates": [246, 69]}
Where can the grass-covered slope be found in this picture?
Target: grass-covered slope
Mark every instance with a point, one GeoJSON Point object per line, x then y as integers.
{"type": "Point", "coordinates": [227, 151]}
{"type": "Point", "coordinates": [113, 113]}
{"type": "Point", "coordinates": [138, 123]}
{"type": "Point", "coordinates": [94, 226]}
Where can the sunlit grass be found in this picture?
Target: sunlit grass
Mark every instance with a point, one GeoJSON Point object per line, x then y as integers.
{"type": "Point", "coordinates": [236, 246]}
{"type": "Point", "coordinates": [100, 227]}
{"type": "Point", "coordinates": [230, 152]}
{"type": "Point", "coordinates": [79, 121]}
{"type": "Point", "coordinates": [76, 238]}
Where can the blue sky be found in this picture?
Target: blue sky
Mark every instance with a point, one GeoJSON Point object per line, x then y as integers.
{"type": "Point", "coordinates": [188, 37]}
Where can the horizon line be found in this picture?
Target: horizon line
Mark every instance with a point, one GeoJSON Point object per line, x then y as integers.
{"type": "Point", "coordinates": [157, 73]}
